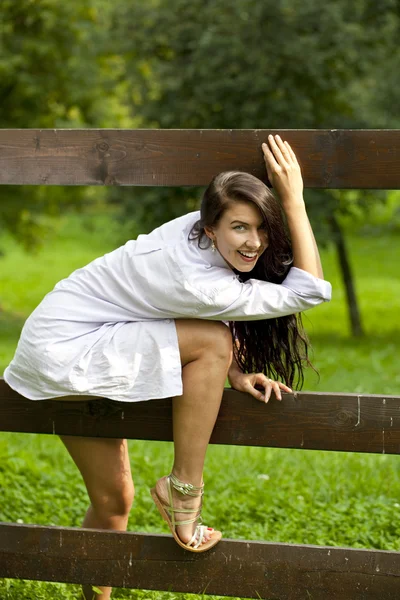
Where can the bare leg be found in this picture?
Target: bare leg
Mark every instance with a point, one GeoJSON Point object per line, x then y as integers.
{"type": "Point", "coordinates": [206, 354]}
{"type": "Point", "coordinates": [105, 468]}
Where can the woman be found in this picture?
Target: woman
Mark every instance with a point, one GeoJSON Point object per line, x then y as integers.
{"type": "Point", "coordinates": [160, 305]}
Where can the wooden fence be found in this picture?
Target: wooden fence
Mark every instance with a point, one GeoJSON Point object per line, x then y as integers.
{"type": "Point", "coordinates": [311, 421]}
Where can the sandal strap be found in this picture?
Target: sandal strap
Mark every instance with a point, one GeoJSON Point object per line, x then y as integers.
{"type": "Point", "coordinates": [197, 517]}
{"type": "Point", "coordinates": [187, 521]}
{"type": "Point", "coordinates": [198, 536]}
{"type": "Point", "coordinates": [185, 510]}
{"type": "Point", "coordinates": [188, 489]}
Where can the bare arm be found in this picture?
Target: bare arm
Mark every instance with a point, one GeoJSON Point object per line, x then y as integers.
{"type": "Point", "coordinates": [305, 250]}
{"type": "Point", "coordinates": [285, 175]}
{"type": "Point", "coordinates": [234, 369]}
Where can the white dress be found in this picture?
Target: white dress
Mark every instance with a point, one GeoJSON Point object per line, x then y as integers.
{"type": "Point", "coordinates": [109, 328]}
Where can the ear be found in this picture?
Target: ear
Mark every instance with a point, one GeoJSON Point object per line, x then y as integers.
{"type": "Point", "coordinates": [209, 232]}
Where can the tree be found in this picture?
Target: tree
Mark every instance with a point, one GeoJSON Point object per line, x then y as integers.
{"type": "Point", "coordinates": [248, 64]}
{"type": "Point", "coordinates": [53, 74]}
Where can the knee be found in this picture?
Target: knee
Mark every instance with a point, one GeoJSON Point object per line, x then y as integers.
{"type": "Point", "coordinates": [219, 342]}
{"type": "Point", "coordinates": [200, 338]}
{"type": "Point", "coordinates": [116, 500]}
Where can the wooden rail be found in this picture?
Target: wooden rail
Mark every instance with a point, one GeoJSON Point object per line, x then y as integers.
{"type": "Point", "coordinates": [174, 157]}
{"type": "Point", "coordinates": [235, 568]}
{"type": "Point", "coordinates": [308, 420]}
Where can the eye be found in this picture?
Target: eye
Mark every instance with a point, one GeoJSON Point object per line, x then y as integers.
{"type": "Point", "coordinates": [236, 226]}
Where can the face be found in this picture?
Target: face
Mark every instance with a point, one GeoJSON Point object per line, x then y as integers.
{"type": "Point", "coordinates": [240, 231]}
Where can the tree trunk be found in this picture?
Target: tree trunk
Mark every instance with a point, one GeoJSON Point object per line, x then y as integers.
{"type": "Point", "coordinates": [347, 277]}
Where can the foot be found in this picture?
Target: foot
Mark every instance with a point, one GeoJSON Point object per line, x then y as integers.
{"type": "Point", "coordinates": [179, 500]}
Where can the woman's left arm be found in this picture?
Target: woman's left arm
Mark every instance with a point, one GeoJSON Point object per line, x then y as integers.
{"type": "Point", "coordinates": [284, 173]}
{"type": "Point", "coordinates": [234, 369]}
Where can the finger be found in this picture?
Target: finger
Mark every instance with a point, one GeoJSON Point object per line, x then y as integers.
{"type": "Point", "coordinates": [276, 149]}
{"type": "Point", "coordinates": [276, 389]}
{"type": "Point", "coordinates": [284, 387]}
{"type": "Point", "coordinates": [270, 163]}
{"type": "Point", "coordinates": [268, 156]}
{"type": "Point", "coordinates": [292, 154]}
{"type": "Point", "coordinates": [268, 389]}
{"type": "Point", "coordinates": [265, 382]}
{"type": "Point", "coordinates": [283, 146]}
{"type": "Point", "coordinates": [251, 390]}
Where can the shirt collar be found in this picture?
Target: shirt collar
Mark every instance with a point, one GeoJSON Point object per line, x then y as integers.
{"type": "Point", "coordinates": [214, 258]}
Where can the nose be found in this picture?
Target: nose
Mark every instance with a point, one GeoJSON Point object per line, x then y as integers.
{"type": "Point", "coordinates": [254, 241]}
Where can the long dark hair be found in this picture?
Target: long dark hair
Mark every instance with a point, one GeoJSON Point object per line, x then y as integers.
{"type": "Point", "coordinates": [277, 347]}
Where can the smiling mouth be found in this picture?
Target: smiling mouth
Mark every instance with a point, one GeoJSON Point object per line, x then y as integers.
{"type": "Point", "coordinates": [248, 256]}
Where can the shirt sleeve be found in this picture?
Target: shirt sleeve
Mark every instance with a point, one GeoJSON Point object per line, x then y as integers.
{"type": "Point", "coordinates": [164, 284]}
{"type": "Point", "coordinates": [256, 300]}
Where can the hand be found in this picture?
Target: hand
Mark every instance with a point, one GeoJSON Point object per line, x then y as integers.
{"type": "Point", "coordinates": [283, 171]}
{"type": "Point", "coordinates": [246, 383]}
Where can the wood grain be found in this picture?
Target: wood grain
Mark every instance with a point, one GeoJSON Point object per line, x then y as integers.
{"type": "Point", "coordinates": [339, 158]}
{"type": "Point", "coordinates": [235, 568]}
{"type": "Point", "coordinates": [308, 420]}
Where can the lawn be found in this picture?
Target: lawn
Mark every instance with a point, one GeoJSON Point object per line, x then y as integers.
{"type": "Point", "coordinates": [292, 496]}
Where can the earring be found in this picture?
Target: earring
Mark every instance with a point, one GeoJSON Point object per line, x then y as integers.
{"type": "Point", "coordinates": [213, 247]}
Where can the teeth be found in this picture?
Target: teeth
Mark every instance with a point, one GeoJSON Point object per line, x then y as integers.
{"type": "Point", "coordinates": [248, 254]}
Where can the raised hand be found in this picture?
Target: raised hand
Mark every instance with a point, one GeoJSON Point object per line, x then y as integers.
{"type": "Point", "coordinates": [283, 171]}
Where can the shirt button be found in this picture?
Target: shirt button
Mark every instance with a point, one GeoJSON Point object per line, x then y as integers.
{"type": "Point", "coordinates": [168, 320]}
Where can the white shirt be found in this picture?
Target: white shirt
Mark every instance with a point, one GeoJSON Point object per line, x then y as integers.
{"type": "Point", "coordinates": [108, 329]}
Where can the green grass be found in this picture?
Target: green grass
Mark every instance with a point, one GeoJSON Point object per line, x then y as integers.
{"type": "Point", "coordinates": [294, 496]}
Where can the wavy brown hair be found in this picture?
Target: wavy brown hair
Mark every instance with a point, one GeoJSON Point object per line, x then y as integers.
{"type": "Point", "coordinates": [278, 347]}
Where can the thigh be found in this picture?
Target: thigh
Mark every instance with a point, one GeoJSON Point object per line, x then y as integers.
{"type": "Point", "coordinates": [196, 336]}
{"type": "Point", "coordinates": [104, 465]}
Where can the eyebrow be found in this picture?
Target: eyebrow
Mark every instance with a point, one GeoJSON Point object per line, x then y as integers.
{"type": "Point", "coordinates": [244, 222]}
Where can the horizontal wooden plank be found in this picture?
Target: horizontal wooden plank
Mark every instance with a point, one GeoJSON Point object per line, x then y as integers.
{"type": "Point", "coordinates": [308, 420]}
{"type": "Point", "coordinates": [339, 158]}
{"type": "Point", "coordinates": [234, 568]}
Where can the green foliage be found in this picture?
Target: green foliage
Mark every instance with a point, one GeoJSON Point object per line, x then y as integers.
{"type": "Point", "coordinates": [272, 64]}
{"type": "Point", "coordinates": [46, 49]}
{"type": "Point", "coordinates": [56, 70]}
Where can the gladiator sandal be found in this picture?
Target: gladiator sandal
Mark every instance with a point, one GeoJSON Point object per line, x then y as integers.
{"type": "Point", "coordinates": [168, 514]}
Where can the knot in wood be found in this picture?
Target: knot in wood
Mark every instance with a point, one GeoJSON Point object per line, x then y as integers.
{"type": "Point", "coordinates": [102, 147]}
{"type": "Point", "coordinates": [344, 419]}
{"type": "Point", "coordinates": [100, 408]}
